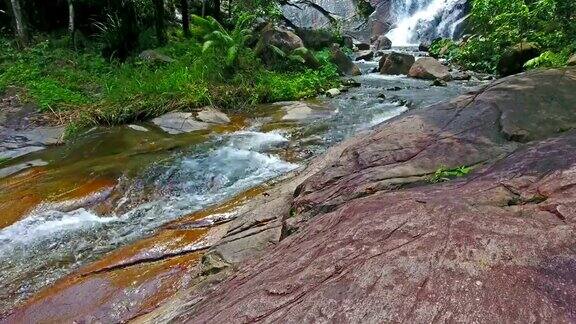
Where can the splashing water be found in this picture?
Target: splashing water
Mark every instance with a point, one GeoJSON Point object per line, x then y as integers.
{"type": "Point", "coordinates": [419, 20]}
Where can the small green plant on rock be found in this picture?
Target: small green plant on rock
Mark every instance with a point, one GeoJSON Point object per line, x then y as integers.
{"type": "Point", "coordinates": [445, 174]}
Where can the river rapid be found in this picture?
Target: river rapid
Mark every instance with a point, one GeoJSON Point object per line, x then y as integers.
{"type": "Point", "coordinates": [114, 186]}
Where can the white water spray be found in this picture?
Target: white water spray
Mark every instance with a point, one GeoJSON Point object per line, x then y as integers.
{"type": "Point", "coordinates": [419, 20]}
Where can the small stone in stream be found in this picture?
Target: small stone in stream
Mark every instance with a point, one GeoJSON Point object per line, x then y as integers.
{"type": "Point", "coordinates": [344, 88]}
{"type": "Point", "coordinates": [137, 128]}
{"type": "Point", "coordinates": [381, 96]}
{"type": "Point", "coordinates": [332, 93]}
{"type": "Point", "coordinates": [179, 122]}
{"type": "Point", "coordinates": [212, 116]}
{"type": "Point", "coordinates": [439, 83]}
{"type": "Point", "coordinates": [396, 88]}
{"type": "Point", "coordinates": [351, 83]}
{"type": "Point", "coordinates": [460, 75]}
{"type": "Point", "coordinates": [365, 55]}
{"type": "Point", "coordinates": [424, 46]}
{"type": "Point", "coordinates": [353, 98]}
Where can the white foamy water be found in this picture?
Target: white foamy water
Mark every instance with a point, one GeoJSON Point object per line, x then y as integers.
{"type": "Point", "coordinates": [419, 20]}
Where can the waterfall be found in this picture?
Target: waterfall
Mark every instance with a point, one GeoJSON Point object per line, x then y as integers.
{"type": "Point", "coordinates": [420, 20]}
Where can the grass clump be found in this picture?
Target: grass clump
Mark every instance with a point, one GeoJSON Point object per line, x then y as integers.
{"type": "Point", "coordinates": [445, 174]}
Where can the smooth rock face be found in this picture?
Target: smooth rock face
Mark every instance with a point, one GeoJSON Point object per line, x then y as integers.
{"type": "Point", "coordinates": [212, 116]}
{"type": "Point", "coordinates": [299, 111]}
{"type": "Point", "coordinates": [469, 130]}
{"type": "Point", "coordinates": [337, 243]}
{"type": "Point", "coordinates": [496, 246]}
{"type": "Point", "coordinates": [396, 63]}
{"type": "Point", "coordinates": [343, 62]}
{"type": "Point", "coordinates": [429, 68]}
{"type": "Point", "coordinates": [179, 122]}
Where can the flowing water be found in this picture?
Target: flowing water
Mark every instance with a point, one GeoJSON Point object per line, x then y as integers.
{"type": "Point", "coordinates": [118, 185]}
{"type": "Point", "coordinates": [419, 20]}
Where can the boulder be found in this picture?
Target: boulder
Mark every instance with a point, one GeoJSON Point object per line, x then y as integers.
{"type": "Point", "coordinates": [439, 83]}
{"type": "Point", "coordinates": [212, 116]}
{"type": "Point", "coordinates": [571, 60]}
{"type": "Point", "coordinates": [396, 63]}
{"type": "Point", "coordinates": [299, 111]}
{"type": "Point", "coordinates": [309, 59]}
{"type": "Point", "coordinates": [460, 75]}
{"type": "Point", "coordinates": [429, 68]}
{"type": "Point", "coordinates": [513, 59]}
{"type": "Point", "coordinates": [316, 39]}
{"type": "Point", "coordinates": [343, 62]}
{"type": "Point", "coordinates": [179, 122]}
{"type": "Point", "coordinates": [348, 41]}
{"type": "Point", "coordinates": [362, 46]}
{"type": "Point", "coordinates": [282, 38]}
{"type": "Point", "coordinates": [424, 46]}
{"type": "Point", "coordinates": [153, 56]}
{"type": "Point", "coordinates": [382, 43]}
{"type": "Point", "coordinates": [365, 55]}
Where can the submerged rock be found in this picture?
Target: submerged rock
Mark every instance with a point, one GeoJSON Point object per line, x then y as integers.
{"type": "Point", "coordinates": [396, 63]}
{"type": "Point", "coordinates": [429, 68]}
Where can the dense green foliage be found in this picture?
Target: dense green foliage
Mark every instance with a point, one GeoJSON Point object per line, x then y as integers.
{"type": "Point", "coordinates": [95, 76]}
{"type": "Point", "coordinates": [93, 90]}
{"type": "Point", "coordinates": [496, 25]}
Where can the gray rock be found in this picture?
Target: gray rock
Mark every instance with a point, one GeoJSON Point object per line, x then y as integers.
{"type": "Point", "coordinates": [212, 116]}
{"type": "Point", "coordinates": [429, 68]}
{"type": "Point", "coordinates": [365, 55]}
{"type": "Point", "coordinates": [396, 63]}
{"type": "Point", "coordinates": [572, 60]}
{"type": "Point", "coordinates": [343, 62]}
{"type": "Point", "coordinates": [333, 93]}
{"type": "Point", "coordinates": [153, 56]}
{"type": "Point", "coordinates": [138, 128]}
{"type": "Point", "coordinates": [179, 122]}
{"type": "Point", "coordinates": [382, 43]}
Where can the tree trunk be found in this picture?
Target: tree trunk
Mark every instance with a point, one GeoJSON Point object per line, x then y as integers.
{"type": "Point", "coordinates": [72, 23]}
{"type": "Point", "coordinates": [217, 7]}
{"type": "Point", "coordinates": [159, 21]}
{"type": "Point", "coordinates": [203, 8]}
{"type": "Point", "coordinates": [185, 18]}
{"type": "Point", "coordinates": [20, 24]}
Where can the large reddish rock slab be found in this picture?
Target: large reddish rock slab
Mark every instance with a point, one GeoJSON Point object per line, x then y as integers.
{"type": "Point", "coordinates": [471, 130]}
{"type": "Point", "coordinates": [498, 246]}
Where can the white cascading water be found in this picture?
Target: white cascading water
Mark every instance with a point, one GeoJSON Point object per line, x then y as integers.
{"type": "Point", "coordinates": [419, 20]}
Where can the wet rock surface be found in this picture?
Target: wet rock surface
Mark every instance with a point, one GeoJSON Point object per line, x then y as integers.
{"type": "Point", "coordinates": [494, 246]}
{"type": "Point", "coordinates": [429, 68]}
{"type": "Point", "coordinates": [336, 242]}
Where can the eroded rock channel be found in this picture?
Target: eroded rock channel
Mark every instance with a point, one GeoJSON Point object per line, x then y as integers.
{"type": "Point", "coordinates": [359, 235]}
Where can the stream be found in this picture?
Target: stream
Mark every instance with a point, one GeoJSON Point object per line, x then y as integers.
{"type": "Point", "coordinates": [116, 185]}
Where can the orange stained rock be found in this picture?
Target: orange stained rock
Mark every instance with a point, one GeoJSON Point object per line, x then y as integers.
{"type": "Point", "coordinates": [109, 296]}
{"type": "Point", "coordinates": [21, 193]}
{"type": "Point", "coordinates": [164, 244]}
